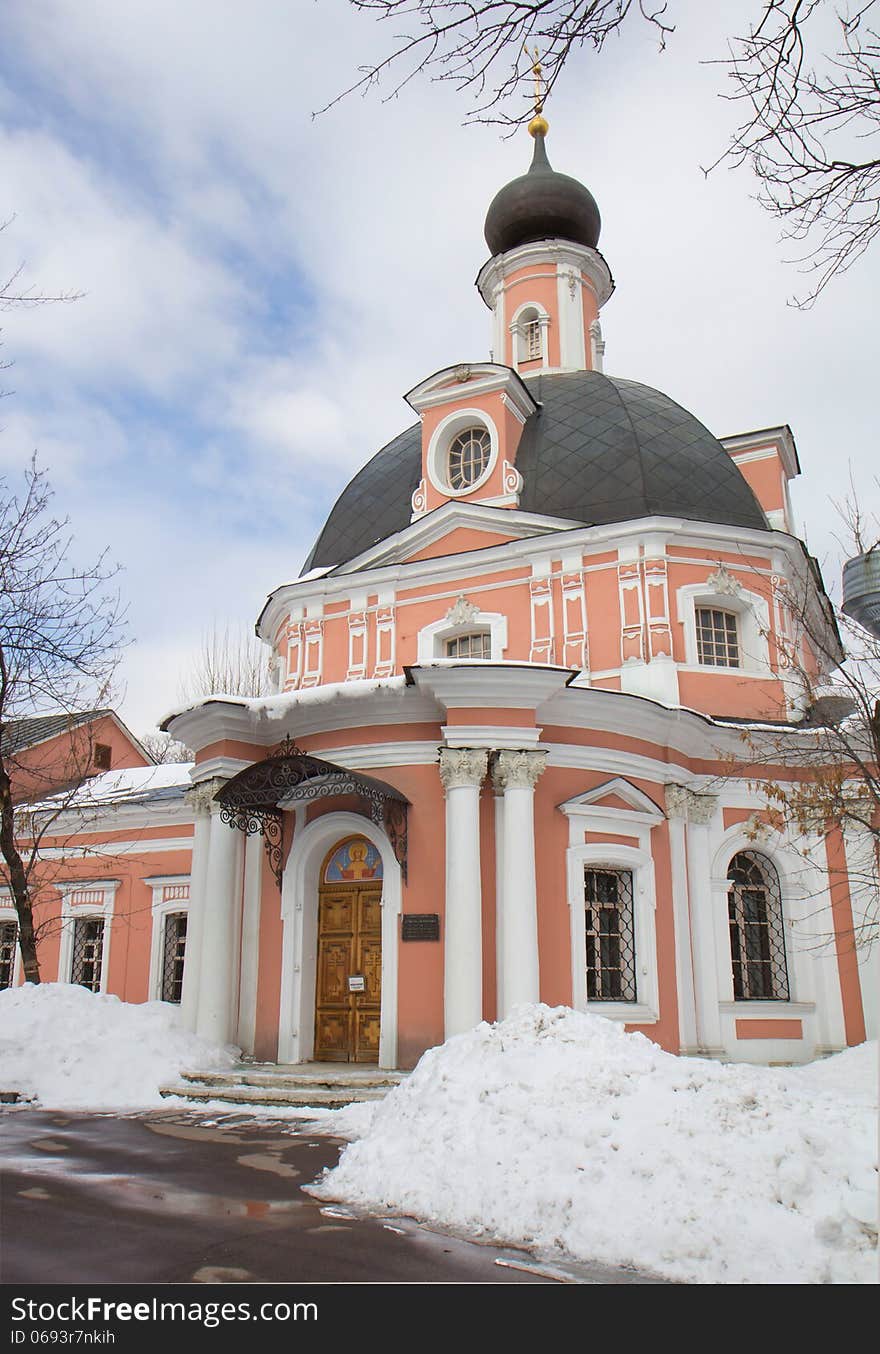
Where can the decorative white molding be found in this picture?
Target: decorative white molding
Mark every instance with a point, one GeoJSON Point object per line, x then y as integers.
{"type": "Point", "coordinates": [431, 638]}
{"type": "Point", "coordinates": [518, 767]}
{"type": "Point", "coordinates": [420, 499]}
{"type": "Point", "coordinates": [511, 479]}
{"type": "Point", "coordinates": [462, 612]}
{"type": "Point", "coordinates": [723, 582]}
{"type": "Point", "coordinates": [462, 766]}
{"type": "Point", "coordinates": [542, 646]}
{"type": "Point", "coordinates": [85, 899]}
{"type": "Point", "coordinates": [386, 636]}
{"type": "Point", "coordinates": [299, 946]}
{"type": "Point", "coordinates": [170, 895]}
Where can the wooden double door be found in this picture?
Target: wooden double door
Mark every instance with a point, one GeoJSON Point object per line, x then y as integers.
{"type": "Point", "coordinates": [349, 980]}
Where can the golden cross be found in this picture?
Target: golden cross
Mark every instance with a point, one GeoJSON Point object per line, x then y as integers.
{"type": "Point", "coordinates": [536, 71]}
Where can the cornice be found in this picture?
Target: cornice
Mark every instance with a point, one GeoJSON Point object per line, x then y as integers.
{"type": "Point", "coordinates": [590, 261]}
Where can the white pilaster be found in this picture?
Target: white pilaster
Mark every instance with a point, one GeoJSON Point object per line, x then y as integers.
{"type": "Point", "coordinates": [705, 909]}
{"type": "Point", "coordinates": [462, 771]}
{"type": "Point", "coordinates": [199, 799]}
{"type": "Point", "coordinates": [676, 804]}
{"type": "Point", "coordinates": [220, 947]}
{"type": "Point", "coordinates": [516, 774]}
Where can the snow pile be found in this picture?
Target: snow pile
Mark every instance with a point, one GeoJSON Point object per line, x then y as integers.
{"type": "Point", "coordinates": [559, 1131]}
{"type": "Point", "coordinates": [70, 1049]}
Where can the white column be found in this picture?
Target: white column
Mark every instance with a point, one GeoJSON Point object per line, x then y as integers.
{"type": "Point", "coordinates": [676, 806]}
{"type": "Point", "coordinates": [462, 771]}
{"type": "Point", "coordinates": [516, 773]}
{"type": "Point", "coordinates": [703, 908]}
{"type": "Point", "coordinates": [199, 799]}
{"type": "Point", "coordinates": [499, 901]}
{"type": "Point", "coordinates": [221, 940]}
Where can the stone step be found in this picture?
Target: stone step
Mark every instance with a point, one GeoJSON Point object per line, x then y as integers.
{"type": "Point", "coordinates": [301, 1096]}
{"type": "Point", "coordinates": [297, 1081]}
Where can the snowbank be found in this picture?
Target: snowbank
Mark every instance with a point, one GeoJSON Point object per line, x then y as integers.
{"type": "Point", "coordinates": [70, 1049]}
{"type": "Point", "coordinates": [561, 1132]}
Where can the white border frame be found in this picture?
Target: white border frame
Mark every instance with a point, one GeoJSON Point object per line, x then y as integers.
{"type": "Point", "coordinates": [72, 912]}
{"type": "Point", "coordinates": [517, 329]}
{"type": "Point", "coordinates": [585, 815]}
{"type": "Point", "coordinates": [753, 627]}
{"type": "Point", "coordinates": [7, 914]}
{"type": "Point", "coordinates": [431, 638]}
{"type": "Point", "coordinates": [159, 910]}
{"type": "Point", "coordinates": [299, 945]}
{"type": "Point", "coordinates": [441, 439]}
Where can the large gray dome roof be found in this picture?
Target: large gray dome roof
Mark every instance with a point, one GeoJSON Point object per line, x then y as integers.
{"type": "Point", "coordinates": [540, 205]}
{"type": "Point", "coordinates": [598, 450]}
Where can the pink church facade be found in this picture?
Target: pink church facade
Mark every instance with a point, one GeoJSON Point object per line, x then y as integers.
{"type": "Point", "coordinates": [509, 682]}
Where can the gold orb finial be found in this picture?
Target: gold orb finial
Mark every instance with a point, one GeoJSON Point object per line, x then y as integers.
{"type": "Point", "coordinates": [539, 126]}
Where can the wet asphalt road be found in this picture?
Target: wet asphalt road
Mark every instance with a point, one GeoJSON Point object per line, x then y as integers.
{"type": "Point", "coordinates": [181, 1197]}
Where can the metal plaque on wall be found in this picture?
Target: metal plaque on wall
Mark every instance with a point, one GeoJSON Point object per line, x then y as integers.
{"type": "Point", "coordinates": [420, 926]}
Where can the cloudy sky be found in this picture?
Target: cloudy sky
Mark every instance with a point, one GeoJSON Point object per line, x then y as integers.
{"type": "Point", "coordinates": [260, 287]}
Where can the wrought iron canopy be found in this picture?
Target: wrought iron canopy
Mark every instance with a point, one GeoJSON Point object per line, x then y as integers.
{"type": "Point", "coordinates": [253, 800]}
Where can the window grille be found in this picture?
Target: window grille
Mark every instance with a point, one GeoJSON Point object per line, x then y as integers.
{"type": "Point", "coordinates": [757, 936]}
{"type": "Point", "coordinates": [468, 457]}
{"type": "Point", "coordinates": [478, 645]}
{"type": "Point", "coordinates": [8, 942]}
{"type": "Point", "coordinates": [717, 640]}
{"type": "Point", "coordinates": [173, 955]}
{"type": "Point", "coordinates": [611, 951]}
{"type": "Point", "coordinates": [534, 347]}
{"type": "Point", "coordinates": [88, 952]}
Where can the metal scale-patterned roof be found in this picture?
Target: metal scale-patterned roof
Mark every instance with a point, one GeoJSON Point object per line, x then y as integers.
{"type": "Point", "coordinates": [599, 450]}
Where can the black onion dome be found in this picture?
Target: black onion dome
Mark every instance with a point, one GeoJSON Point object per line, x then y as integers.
{"type": "Point", "coordinates": [541, 205]}
{"type": "Point", "coordinates": [598, 450]}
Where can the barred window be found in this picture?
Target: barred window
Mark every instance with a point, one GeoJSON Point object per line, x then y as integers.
{"type": "Point", "coordinates": [533, 344]}
{"type": "Point", "coordinates": [611, 952]}
{"type": "Point", "coordinates": [88, 952]}
{"type": "Point", "coordinates": [8, 942]}
{"type": "Point", "coordinates": [757, 936]}
{"type": "Point", "coordinates": [173, 956]}
{"type": "Point", "coordinates": [717, 638]}
{"type": "Point", "coordinates": [477, 645]}
{"type": "Point", "coordinates": [468, 457]}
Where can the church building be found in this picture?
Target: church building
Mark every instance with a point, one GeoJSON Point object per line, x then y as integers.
{"type": "Point", "coordinates": [510, 682]}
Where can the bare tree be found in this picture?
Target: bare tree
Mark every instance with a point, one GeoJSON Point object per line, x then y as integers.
{"type": "Point", "coordinates": [231, 662]}
{"type": "Point", "coordinates": [164, 749]}
{"type": "Point", "coordinates": [806, 73]}
{"type": "Point", "coordinates": [61, 633]}
{"type": "Point", "coordinates": [823, 775]}
{"type": "Point", "coordinates": [808, 77]}
{"type": "Point", "coordinates": [481, 46]}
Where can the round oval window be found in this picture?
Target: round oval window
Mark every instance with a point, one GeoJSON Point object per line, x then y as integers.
{"type": "Point", "coordinates": [468, 457]}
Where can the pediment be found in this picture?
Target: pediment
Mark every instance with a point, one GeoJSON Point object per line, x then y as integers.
{"type": "Point", "coordinates": [616, 796]}
{"type": "Point", "coordinates": [452, 529]}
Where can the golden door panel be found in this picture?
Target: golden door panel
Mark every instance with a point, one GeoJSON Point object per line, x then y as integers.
{"type": "Point", "coordinates": [349, 944]}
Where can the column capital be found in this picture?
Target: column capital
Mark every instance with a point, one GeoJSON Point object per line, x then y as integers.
{"type": "Point", "coordinates": [201, 797]}
{"type": "Point", "coordinates": [462, 766]}
{"type": "Point", "coordinates": [521, 768]}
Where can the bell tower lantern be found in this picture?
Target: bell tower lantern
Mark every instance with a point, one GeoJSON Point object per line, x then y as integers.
{"type": "Point", "coordinates": [546, 280]}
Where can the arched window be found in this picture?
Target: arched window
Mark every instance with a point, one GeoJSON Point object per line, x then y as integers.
{"type": "Point", "coordinates": [757, 934]}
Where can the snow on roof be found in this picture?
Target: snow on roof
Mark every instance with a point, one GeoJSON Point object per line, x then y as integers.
{"type": "Point", "coordinates": [131, 785]}
{"type": "Point", "coordinates": [277, 706]}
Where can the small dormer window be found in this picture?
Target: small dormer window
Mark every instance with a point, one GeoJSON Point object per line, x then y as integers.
{"type": "Point", "coordinates": [533, 347]}
{"type": "Point", "coordinates": [478, 644]}
{"type": "Point", "coordinates": [102, 756]}
{"type": "Point", "coordinates": [469, 454]}
{"type": "Point", "coordinates": [717, 638]}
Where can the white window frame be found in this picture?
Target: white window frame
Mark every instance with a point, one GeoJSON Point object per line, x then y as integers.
{"type": "Point", "coordinates": [585, 815]}
{"type": "Point", "coordinates": [86, 910]}
{"type": "Point", "coordinates": [431, 639]}
{"type": "Point", "coordinates": [9, 914]}
{"type": "Point", "coordinates": [753, 627]}
{"type": "Point", "coordinates": [523, 316]}
{"type": "Point", "coordinates": [436, 460]}
{"type": "Point", "coordinates": [160, 908]}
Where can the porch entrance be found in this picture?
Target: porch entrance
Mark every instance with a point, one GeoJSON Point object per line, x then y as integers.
{"type": "Point", "coordinates": [348, 989]}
